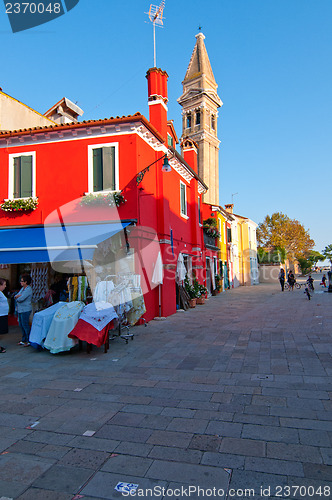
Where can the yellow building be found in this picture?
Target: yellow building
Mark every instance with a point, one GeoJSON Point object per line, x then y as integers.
{"type": "Point", "coordinates": [247, 251]}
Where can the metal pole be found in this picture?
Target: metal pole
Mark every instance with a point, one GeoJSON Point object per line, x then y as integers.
{"type": "Point", "coordinates": [154, 45]}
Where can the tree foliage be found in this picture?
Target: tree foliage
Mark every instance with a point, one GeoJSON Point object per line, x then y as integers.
{"type": "Point", "coordinates": [279, 231]}
{"type": "Point", "coordinates": [305, 265]}
{"type": "Point", "coordinates": [327, 252]}
{"type": "Point", "coordinates": [315, 257]}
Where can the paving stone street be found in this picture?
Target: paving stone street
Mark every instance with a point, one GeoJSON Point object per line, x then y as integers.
{"type": "Point", "coordinates": [232, 397]}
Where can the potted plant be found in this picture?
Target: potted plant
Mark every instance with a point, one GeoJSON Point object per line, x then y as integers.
{"type": "Point", "coordinates": [218, 281]}
{"type": "Point", "coordinates": [107, 199]}
{"type": "Point", "coordinates": [190, 291]}
{"type": "Point", "coordinates": [202, 294]}
{"type": "Point", "coordinates": [210, 227]}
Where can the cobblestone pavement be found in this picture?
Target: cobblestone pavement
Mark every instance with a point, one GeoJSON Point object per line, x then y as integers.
{"type": "Point", "coordinates": [232, 396]}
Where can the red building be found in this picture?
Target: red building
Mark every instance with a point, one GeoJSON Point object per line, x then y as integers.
{"type": "Point", "coordinates": [71, 167]}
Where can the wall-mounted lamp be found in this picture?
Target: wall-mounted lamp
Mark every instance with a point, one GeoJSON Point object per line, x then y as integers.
{"type": "Point", "coordinates": [165, 168]}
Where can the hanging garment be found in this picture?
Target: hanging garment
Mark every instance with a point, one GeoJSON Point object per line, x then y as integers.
{"type": "Point", "coordinates": [62, 324]}
{"type": "Point", "coordinates": [102, 291]}
{"type": "Point", "coordinates": [93, 324]}
{"type": "Point", "coordinates": [138, 309]}
{"type": "Point", "coordinates": [98, 318]}
{"type": "Point", "coordinates": [41, 324]}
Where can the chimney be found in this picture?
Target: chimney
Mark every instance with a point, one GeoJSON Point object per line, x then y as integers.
{"type": "Point", "coordinates": [157, 97]}
{"type": "Point", "coordinates": [189, 152]}
{"type": "Point", "coordinates": [229, 208]}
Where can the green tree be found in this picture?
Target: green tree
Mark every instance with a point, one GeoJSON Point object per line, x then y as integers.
{"type": "Point", "coordinates": [327, 252]}
{"type": "Point", "coordinates": [305, 264]}
{"type": "Point", "coordinates": [278, 231]}
{"type": "Point", "coordinates": [315, 257]}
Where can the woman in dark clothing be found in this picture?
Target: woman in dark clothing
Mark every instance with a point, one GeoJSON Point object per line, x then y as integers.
{"type": "Point", "coordinates": [291, 280]}
{"type": "Point", "coordinates": [4, 307]}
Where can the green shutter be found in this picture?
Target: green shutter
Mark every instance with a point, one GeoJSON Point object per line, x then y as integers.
{"type": "Point", "coordinates": [97, 169]}
{"type": "Point", "coordinates": [109, 168]}
{"type": "Point", "coordinates": [17, 178]}
{"type": "Point", "coordinates": [26, 176]}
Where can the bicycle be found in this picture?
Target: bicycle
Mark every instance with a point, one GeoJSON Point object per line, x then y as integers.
{"type": "Point", "coordinates": [307, 291]}
{"type": "Point", "coordinates": [296, 285]}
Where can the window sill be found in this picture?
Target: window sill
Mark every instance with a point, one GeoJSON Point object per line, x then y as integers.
{"type": "Point", "coordinates": [184, 216]}
{"type": "Point", "coordinates": [23, 198]}
{"type": "Point", "coordinates": [105, 191]}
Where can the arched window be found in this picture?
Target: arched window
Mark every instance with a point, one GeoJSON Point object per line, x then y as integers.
{"type": "Point", "coordinates": [213, 122]}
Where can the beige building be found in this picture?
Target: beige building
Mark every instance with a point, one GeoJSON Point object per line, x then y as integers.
{"type": "Point", "coordinates": [14, 115]}
{"type": "Point", "coordinates": [200, 103]}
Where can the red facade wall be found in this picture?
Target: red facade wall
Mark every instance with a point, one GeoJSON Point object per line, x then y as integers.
{"type": "Point", "coordinates": [62, 176]}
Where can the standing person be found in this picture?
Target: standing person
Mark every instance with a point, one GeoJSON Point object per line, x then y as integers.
{"type": "Point", "coordinates": [323, 281]}
{"type": "Point", "coordinates": [291, 280]}
{"type": "Point", "coordinates": [24, 308]}
{"type": "Point", "coordinates": [281, 277]}
{"type": "Point", "coordinates": [4, 308]}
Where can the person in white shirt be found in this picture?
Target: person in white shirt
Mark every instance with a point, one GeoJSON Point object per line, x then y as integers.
{"type": "Point", "coordinates": [4, 308]}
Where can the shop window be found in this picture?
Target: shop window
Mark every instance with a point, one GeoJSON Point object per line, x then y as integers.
{"type": "Point", "coordinates": [183, 199]}
{"type": "Point", "coordinates": [103, 168]}
{"type": "Point", "coordinates": [22, 175]}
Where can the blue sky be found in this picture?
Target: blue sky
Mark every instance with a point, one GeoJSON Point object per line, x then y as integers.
{"type": "Point", "coordinates": [271, 60]}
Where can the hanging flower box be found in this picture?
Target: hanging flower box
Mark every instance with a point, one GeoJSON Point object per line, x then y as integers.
{"type": "Point", "coordinates": [103, 199]}
{"type": "Point", "coordinates": [210, 228]}
{"type": "Point", "coordinates": [20, 205]}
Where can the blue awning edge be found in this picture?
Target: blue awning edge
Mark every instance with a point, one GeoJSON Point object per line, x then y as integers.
{"type": "Point", "coordinates": [54, 243]}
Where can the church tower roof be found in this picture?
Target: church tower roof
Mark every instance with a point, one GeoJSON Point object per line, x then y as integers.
{"type": "Point", "coordinates": [199, 63]}
{"type": "Point", "coordinates": [200, 103]}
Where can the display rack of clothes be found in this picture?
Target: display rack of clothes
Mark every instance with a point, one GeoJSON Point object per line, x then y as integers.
{"type": "Point", "coordinates": [63, 323]}
{"type": "Point", "coordinates": [39, 278]}
{"type": "Point", "coordinates": [94, 324]}
{"type": "Point", "coordinates": [77, 288]}
{"type": "Point", "coordinates": [41, 324]}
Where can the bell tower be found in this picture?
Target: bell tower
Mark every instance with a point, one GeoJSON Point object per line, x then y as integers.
{"type": "Point", "coordinates": [200, 103]}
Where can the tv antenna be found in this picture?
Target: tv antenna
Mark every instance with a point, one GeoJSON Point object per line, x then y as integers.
{"type": "Point", "coordinates": [156, 17]}
{"type": "Point", "coordinates": [233, 194]}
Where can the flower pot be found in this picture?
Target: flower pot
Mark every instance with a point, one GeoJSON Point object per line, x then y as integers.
{"type": "Point", "coordinates": [200, 300]}
{"type": "Point", "coordinates": [192, 303]}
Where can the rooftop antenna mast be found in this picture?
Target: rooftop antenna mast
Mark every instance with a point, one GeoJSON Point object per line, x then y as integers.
{"type": "Point", "coordinates": [156, 17]}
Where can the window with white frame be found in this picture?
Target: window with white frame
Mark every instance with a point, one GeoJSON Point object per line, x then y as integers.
{"type": "Point", "coordinates": [183, 199]}
{"type": "Point", "coordinates": [103, 167]}
{"type": "Point", "coordinates": [22, 175]}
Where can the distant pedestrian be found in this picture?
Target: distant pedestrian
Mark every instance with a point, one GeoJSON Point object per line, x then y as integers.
{"type": "Point", "coordinates": [4, 308]}
{"type": "Point", "coordinates": [323, 282]}
{"type": "Point", "coordinates": [291, 280]}
{"type": "Point", "coordinates": [24, 308]}
{"type": "Point", "coordinates": [281, 278]}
